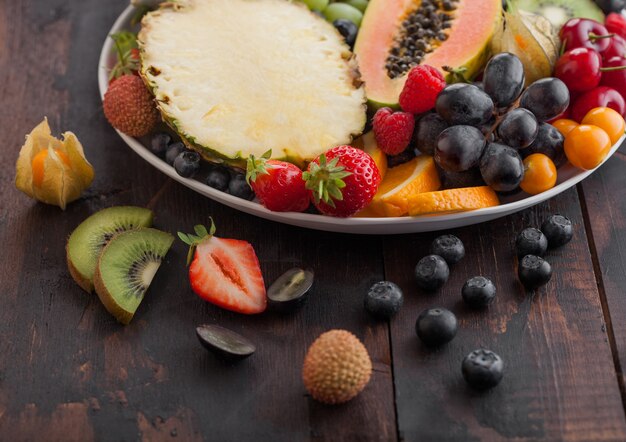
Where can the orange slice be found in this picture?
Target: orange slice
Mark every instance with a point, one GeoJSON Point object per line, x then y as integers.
{"type": "Point", "coordinates": [368, 143]}
{"type": "Point", "coordinates": [452, 200]}
{"type": "Point", "coordinates": [402, 182]}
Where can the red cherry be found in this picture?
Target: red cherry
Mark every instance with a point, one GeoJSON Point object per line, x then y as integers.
{"type": "Point", "coordinates": [615, 77]}
{"type": "Point", "coordinates": [602, 96]}
{"type": "Point", "coordinates": [579, 69]}
{"type": "Point", "coordinates": [584, 33]}
{"type": "Point", "coordinates": [616, 24]}
{"type": "Point", "coordinates": [617, 48]}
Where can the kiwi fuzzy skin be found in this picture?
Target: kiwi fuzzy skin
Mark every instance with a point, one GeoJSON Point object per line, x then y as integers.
{"type": "Point", "coordinates": [107, 300]}
{"type": "Point", "coordinates": [85, 283]}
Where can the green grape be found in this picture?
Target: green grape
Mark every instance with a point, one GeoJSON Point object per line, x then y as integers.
{"type": "Point", "coordinates": [317, 5]}
{"type": "Point", "coordinates": [361, 5]}
{"type": "Point", "coordinates": [335, 11]}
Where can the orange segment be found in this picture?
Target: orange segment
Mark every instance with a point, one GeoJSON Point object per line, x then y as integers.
{"type": "Point", "coordinates": [416, 176]}
{"type": "Point", "coordinates": [367, 142]}
{"type": "Point", "coordinates": [452, 200]}
{"type": "Point", "coordinates": [39, 162]}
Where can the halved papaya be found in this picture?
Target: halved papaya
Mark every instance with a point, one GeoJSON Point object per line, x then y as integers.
{"type": "Point", "coordinates": [392, 25]}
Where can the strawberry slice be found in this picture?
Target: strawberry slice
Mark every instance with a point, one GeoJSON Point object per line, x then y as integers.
{"type": "Point", "coordinates": [225, 272]}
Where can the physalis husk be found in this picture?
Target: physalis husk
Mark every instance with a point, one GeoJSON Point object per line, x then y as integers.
{"type": "Point", "coordinates": [50, 170]}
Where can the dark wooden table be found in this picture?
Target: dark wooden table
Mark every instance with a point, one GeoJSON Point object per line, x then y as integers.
{"type": "Point", "coordinates": [68, 371]}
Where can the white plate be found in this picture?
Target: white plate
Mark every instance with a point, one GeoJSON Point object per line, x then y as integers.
{"type": "Point", "coordinates": [568, 177]}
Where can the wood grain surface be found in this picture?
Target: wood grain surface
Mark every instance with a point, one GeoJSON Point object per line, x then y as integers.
{"type": "Point", "coordinates": [69, 372]}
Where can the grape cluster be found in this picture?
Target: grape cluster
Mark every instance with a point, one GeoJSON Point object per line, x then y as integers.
{"type": "Point", "coordinates": [487, 128]}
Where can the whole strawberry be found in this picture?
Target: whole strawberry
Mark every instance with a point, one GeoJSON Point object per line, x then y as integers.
{"type": "Point", "coordinates": [278, 184]}
{"type": "Point", "coordinates": [129, 106]}
{"type": "Point", "coordinates": [393, 130]}
{"type": "Point", "coordinates": [342, 181]}
{"type": "Point", "coordinates": [421, 89]}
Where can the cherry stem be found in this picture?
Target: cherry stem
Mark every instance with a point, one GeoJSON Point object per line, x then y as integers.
{"type": "Point", "coordinates": [594, 37]}
{"type": "Point", "coordinates": [613, 68]}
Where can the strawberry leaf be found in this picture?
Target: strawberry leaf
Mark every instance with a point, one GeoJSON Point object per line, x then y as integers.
{"type": "Point", "coordinates": [192, 241]}
{"type": "Point", "coordinates": [256, 167]}
{"type": "Point", "coordinates": [325, 180]}
{"type": "Point", "coordinates": [185, 238]}
{"type": "Point", "coordinates": [125, 46]}
{"type": "Point", "coordinates": [201, 231]}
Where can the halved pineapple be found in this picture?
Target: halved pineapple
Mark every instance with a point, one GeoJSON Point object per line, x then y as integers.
{"type": "Point", "coordinates": [239, 77]}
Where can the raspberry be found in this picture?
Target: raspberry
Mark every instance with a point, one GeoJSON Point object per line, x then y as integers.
{"type": "Point", "coordinates": [393, 130]}
{"type": "Point", "coordinates": [420, 91]}
{"type": "Point", "coordinates": [616, 24]}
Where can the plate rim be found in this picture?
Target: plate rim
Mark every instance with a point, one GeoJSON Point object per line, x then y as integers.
{"type": "Point", "coordinates": [398, 225]}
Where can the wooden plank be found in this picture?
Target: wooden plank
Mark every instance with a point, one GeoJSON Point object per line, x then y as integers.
{"type": "Point", "coordinates": [606, 221]}
{"type": "Point", "coordinates": [559, 383]}
{"type": "Point", "coordinates": [68, 370]}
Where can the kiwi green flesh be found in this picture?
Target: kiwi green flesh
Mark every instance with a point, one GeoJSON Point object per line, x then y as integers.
{"type": "Point", "coordinates": [126, 268]}
{"type": "Point", "coordinates": [559, 11]}
{"type": "Point", "coordinates": [87, 241]}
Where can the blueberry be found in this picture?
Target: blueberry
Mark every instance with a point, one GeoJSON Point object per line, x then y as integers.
{"type": "Point", "coordinates": [431, 273]}
{"type": "Point", "coordinates": [531, 241]}
{"type": "Point", "coordinates": [463, 103]}
{"type": "Point", "coordinates": [384, 299]}
{"type": "Point", "coordinates": [347, 29]}
{"type": "Point", "coordinates": [549, 142]}
{"type": "Point", "coordinates": [449, 247]}
{"type": "Point", "coordinates": [218, 178]}
{"type": "Point", "coordinates": [504, 79]}
{"type": "Point", "coordinates": [501, 167]}
{"type": "Point", "coordinates": [534, 271]}
{"type": "Point", "coordinates": [187, 164]}
{"type": "Point", "coordinates": [173, 151]}
{"type": "Point", "coordinates": [546, 98]}
{"type": "Point", "coordinates": [159, 143]}
{"type": "Point", "coordinates": [436, 326]}
{"type": "Point", "coordinates": [482, 369]}
{"type": "Point", "coordinates": [478, 292]}
{"type": "Point", "coordinates": [558, 229]}
{"type": "Point", "coordinates": [427, 132]}
{"type": "Point", "coordinates": [518, 128]}
{"type": "Point", "coordinates": [459, 148]}
{"type": "Point", "coordinates": [240, 188]}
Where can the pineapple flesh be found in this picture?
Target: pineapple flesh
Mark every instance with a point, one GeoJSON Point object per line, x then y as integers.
{"type": "Point", "coordinates": [239, 77]}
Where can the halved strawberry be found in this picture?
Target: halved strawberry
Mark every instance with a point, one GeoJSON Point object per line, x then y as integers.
{"type": "Point", "coordinates": [225, 272]}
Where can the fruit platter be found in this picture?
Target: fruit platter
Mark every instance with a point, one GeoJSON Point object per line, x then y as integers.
{"type": "Point", "coordinates": [369, 117]}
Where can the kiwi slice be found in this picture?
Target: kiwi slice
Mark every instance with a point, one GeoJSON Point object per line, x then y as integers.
{"type": "Point", "coordinates": [559, 11]}
{"type": "Point", "coordinates": [87, 241]}
{"type": "Point", "coordinates": [126, 268]}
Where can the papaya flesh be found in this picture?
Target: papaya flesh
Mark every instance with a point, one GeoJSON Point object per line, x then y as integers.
{"type": "Point", "coordinates": [466, 46]}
